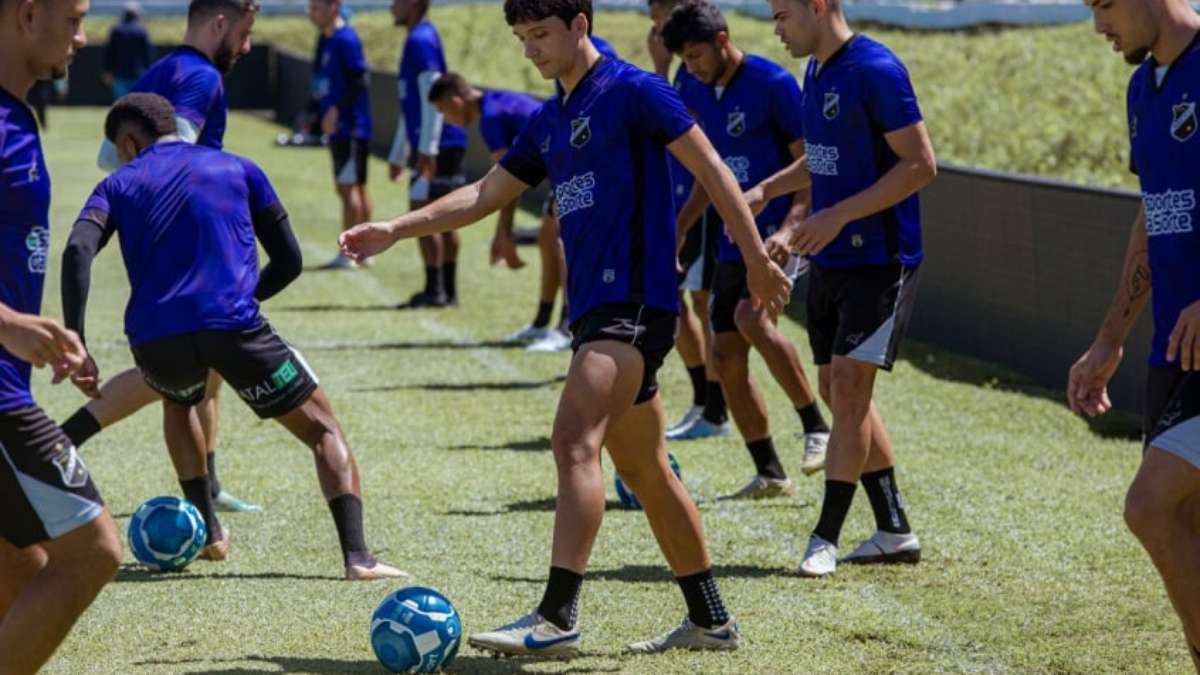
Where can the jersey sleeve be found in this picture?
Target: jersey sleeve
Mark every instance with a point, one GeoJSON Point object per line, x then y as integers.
{"type": "Point", "coordinates": [261, 193]}
{"type": "Point", "coordinates": [492, 128]}
{"type": "Point", "coordinates": [524, 159]}
{"type": "Point", "coordinates": [97, 208]}
{"type": "Point", "coordinates": [889, 97]}
{"type": "Point", "coordinates": [1131, 95]}
{"type": "Point", "coordinates": [660, 109]}
{"type": "Point", "coordinates": [196, 96]}
{"type": "Point", "coordinates": [787, 108]}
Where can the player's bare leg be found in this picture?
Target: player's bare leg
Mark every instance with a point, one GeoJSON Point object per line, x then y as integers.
{"type": "Point", "coordinates": [185, 442]}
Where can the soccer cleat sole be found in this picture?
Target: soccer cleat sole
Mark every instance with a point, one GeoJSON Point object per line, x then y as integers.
{"type": "Point", "coordinates": [497, 653]}
{"type": "Point", "coordinates": [359, 573]}
{"type": "Point", "coordinates": [898, 558]}
{"type": "Point", "coordinates": [810, 470]}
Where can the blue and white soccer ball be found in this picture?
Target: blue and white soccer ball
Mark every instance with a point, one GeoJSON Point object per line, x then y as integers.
{"type": "Point", "coordinates": [167, 533]}
{"type": "Point", "coordinates": [415, 630]}
{"type": "Point", "coordinates": [630, 500]}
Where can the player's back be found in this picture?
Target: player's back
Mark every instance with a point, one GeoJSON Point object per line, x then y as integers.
{"type": "Point", "coordinates": [503, 115]}
{"type": "Point", "coordinates": [193, 85]}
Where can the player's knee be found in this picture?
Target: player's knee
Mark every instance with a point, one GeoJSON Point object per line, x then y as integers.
{"type": "Point", "coordinates": [1147, 514]}
{"type": "Point", "coordinates": [572, 450]}
{"type": "Point", "coordinates": [728, 359]}
{"type": "Point", "coordinates": [752, 323]}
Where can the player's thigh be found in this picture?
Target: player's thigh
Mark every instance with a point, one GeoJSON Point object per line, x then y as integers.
{"type": "Point", "coordinates": [1169, 477]}
{"type": "Point", "coordinates": [601, 384]}
{"type": "Point", "coordinates": [268, 374]}
{"type": "Point", "coordinates": [635, 440]}
{"type": "Point", "coordinates": [91, 549]}
{"type": "Point", "coordinates": [851, 383]}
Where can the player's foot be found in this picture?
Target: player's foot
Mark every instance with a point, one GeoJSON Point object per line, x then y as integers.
{"type": "Point", "coordinates": [530, 635]}
{"type": "Point", "coordinates": [761, 487]}
{"type": "Point", "coordinates": [700, 428]}
{"type": "Point", "coordinates": [688, 635]}
{"type": "Point", "coordinates": [230, 504]}
{"type": "Point", "coordinates": [425, 299]}
{"type": "Point", "coordinates": [375, 570]}
{"type": "Point", "coordinates": [886, 548]}
{"type": "Point", "coordinates": [554, 341]}
{"type": "Point", "coordinates": [815, 445]}
{"type": "Point", "coordinates": [820, 559]}
{"type": "Point", "coordinates": [528, 334]}
{"type": "Point", "coordinates": [217, 550]}
{"type": "Point", "coordinates": [339, 262]}
{"type": "Point", "coordinates": [689, 418]}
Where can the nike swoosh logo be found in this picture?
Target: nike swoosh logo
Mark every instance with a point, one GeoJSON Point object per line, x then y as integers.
{"type": "Point", "coordinates": [532, 643]}
{"type": "Point", "coordinates": [723, 635]}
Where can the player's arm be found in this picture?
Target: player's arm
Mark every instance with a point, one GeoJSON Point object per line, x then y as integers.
{"type": "Point", "coordinates": [274, 231]}
{"type": "Point", "coordinates": [503, 248]}
{"type": "Point", "coordinates": [778, 244]}
{"type": "Point", "coordinates": [41, 341]}
{"type": "Point", "coordinates": [693, 207]}
{"type": "Point", "coordinates": [91, 232]}
{"type": "Point", "coordinates": [398, 156]}
{"type": "Point", "coordinates": [790, 179]}
{"type": "Point", "coordinates": [460, 208]}
{"type": "Point", "coordinates": [1087, 386]}
{"type": "Point", "coordinates": [768, 284]}
{"type": "Point", "coordinates": [430, 134]}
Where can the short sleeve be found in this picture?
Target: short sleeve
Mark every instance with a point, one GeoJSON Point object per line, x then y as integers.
{"type": "Point", "coordinates": [260, 192]}
{"type": "Point", "coordinates": [97, 207]}
{"type": "Point", "coordinates": [889, 97]}
{"type": "Point", "coordinates": [524, 158]}
{"type": "Point", "coordinates": [1132, 95]}
{"type": "Point", "coordinates": [355, 58]}
{"type": "Point", "coordinates": [660, 109]}
{"type": "Point", "coordinates": [787, 107]}
{"type": "Point", "coordinates": [197, 96]}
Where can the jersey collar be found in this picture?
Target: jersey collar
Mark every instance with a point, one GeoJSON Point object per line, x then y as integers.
{"type": "Point", "coordinates": [21, 105]}
{"type": "Point", "coordinates": [1157, 86]}
{"type": "Point", "coordinates": [819, 68]}
{"type": "Point", "coordinates": [587, 77]}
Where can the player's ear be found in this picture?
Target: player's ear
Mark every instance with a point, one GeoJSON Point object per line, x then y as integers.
{"type": "Point", "coordinates": [580, 24]}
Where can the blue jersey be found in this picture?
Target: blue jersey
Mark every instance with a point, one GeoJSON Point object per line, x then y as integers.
{"type": "Point", "coordinates": [606, 50]}
{"type": "Point", "coordinates": [423, 53]}
{"type": "Point", "coordinates": [342, 83]}
{"type": "Point", "coordinates": [24, 233]}
{"type": "Point", "coordinates": [192, 84]}
{"type": "Point", "coordinates": [751, 124]}
{"type": "Point", "coordinates": [861, 93]}
{"type": "Point", "coordinates": [502, 116]}
{"type": "Point", "coordinates": [1166, 157]}
{"type": "Point", "coordinates": [183, 214]}
{"type": "Point", "coordinates": [604, 151]}
{"type": "Point", "coordinates": [682, 179]}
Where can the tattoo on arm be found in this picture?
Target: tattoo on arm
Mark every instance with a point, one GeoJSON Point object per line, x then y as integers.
{"type": "Point", "coordinates": [1139, 282]}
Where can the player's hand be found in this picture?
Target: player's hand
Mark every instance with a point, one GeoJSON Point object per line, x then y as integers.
{"type": "Point", "coordinates": [504, 250]}
{"type": "Point", "coordinates": [755, 199]}
{"type": "Point", "coordinates": [660, 56]}
{"type": "Point", "coordinates": [87, 378]}
{"type": "Point", "coordinates": [395, 172]}
{"type": "Point", "coordinates": [816, 232]}
{"type": "Point", "coordinates": [1087, 385]}
{"type": "Point", "coordinates": [1183, 347]}
{"type": "Point", "coordinates": [770, 288]}
{"type": "Point", "coordinates": [329, 122]}
{"type": "Point", "coordinates": [779, 245]}
{"type": "Point", "coordinates": [366, 240]}
{"type": "Point", "coordinates": [426, 165]}
{"type": "Point", "coordinates": [42, 342]}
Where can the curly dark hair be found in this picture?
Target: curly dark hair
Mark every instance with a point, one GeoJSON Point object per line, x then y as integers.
{"type": "Point", "coordinates": [521, 11]}
{"type": "Point", "coordinates": [153, 114]}
{"type": "Point", "coordinates": [693, 21]}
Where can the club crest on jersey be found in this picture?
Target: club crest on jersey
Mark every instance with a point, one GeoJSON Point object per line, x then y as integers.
{"type": "Point", "coordinates": [833, 105]}
{"type": "Point", "coordinates": [34, 174]}
{"type": "Point", "coordinates": [1183, 123]}
{"type": "Point", "coordinates": [581, 131]}
{"type": "Point", "coordinates": [735, 124]}
{"type": "Point", "coordinates": [70, 467]}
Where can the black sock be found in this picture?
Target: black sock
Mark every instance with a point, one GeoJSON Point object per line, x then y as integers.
{"type": "Point", "coordinates": [766, 460]}
{"type": "Point", "coordinates": [810, 417]}
{"type": "Point", "coordinates": [433, 280]}
{"type": "Point", "coordinates": [214, 485]}
{"type": "Point", "coordinates": [81, 426]}
{"type": "Point", "coordinates": [348, 519]}
{"type": "Point", "coordinates": [886, 501]}
{"type": "Point", "coordinates": [450, 280]}
{"type": "Point", "coordinates": [542, 319]}
{"type": "Point", "coordinates": [838, 497]}
{"type": "Point", "coordinates": [560, 603]}
{"type": "Point", "coordinates": [699, 385]}
{"type": "Point", "coordinates": [196, 491]}
{"type": "Point", "coordinates": [705, 607]}
{"type": "Point", "coordinates": [714, 403]}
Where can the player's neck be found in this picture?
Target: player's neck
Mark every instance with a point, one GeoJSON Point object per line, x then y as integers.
{"type": "Point", "coordinates": [1176, 35]}
{"type": "Point", "coordinates": [833, 37]}
{"type": "Point", "coordinates": [734, 58]}
{"type": "Point", "coordinates": [191, 40]}
{"type": "Point", "coordinates": [333, 27]}
{"type": "Point", "coordinates": [584, 61]}
{"type": "Point", "coordinates": [15, 78]}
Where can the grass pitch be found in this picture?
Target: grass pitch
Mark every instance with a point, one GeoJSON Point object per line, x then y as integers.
{"type": "Point", "coordinates": [1027, 565]}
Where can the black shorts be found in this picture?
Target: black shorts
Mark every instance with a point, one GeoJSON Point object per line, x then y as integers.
{"type": "Point", "coordinates": [1172, 419]}
{"type": "Point", "coordinates": [729, 288]}
{"type": "Point", "coordinates": [448, 176]}
{"type": "Point", "coordinates": [350, 160]}
{"type": "Point", "coordinates": [270, 376]}
{"type": "Point", "coordinates": [699, 254]}
{"type": "Point", "coordinates": [45, 489]}
{"type": "Point", "coordinates": [861, 313]}
{"type": "Point", "coordinates": [649, 329]}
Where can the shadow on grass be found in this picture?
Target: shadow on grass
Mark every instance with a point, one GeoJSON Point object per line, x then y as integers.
{"type": "Point", "coordinates": [473, 663]}
{"type": "Point", "coordinates": [333, 308]}
{"type": "Point", "coordinates": [532, 445]}
{"type": "Point", "coordinates": [130, 573]}
{"type": "Point", "coordinates": [464, 386]}
{"type": "Point", "coordinates": [278, 664]}
{"type": "Point", "coordinates": [660, 574]}
{"type": "Point", "coordinates": [545, 505]}
{"type": "Point", "coordinates": [354, 346]}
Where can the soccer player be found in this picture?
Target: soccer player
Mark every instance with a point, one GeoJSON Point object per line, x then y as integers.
{"type": "Point", "coordinates": [218, 35]}
{"type": "Point", "coordinates": [603, 143]}
{"type": "Point", "coordinates": [345, 113]}
{"type": "Point", "coordinates": [58, 543]}
{"type": "Point", "coordinates": [707, 416]}
{"type": "Point", "coordinates": [128, 53]}
{"type": "Point", "coordinates": [1162, 38]}
{"type": "Point", "coordinates": [435, 151]}
{"type": "Point", "coordinates": [187, 217]}
{"type": "Point", "coordinates": [747, 105]}
{"type": "Point", "coordinates": [867, 154]}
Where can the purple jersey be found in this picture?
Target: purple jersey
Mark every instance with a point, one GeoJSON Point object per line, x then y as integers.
{"type": "Point", "coordinates": [192, 84]}
{"type": "Point", "coordinates": [184, 215]}
{"type": "Point", "coordinates": [423, 53]}
{"type": "Point", "coordinates": [503, 115]}
{"type": "Point", "coordinates": [24, 233]}
{"type": "Point", "coordinates": [342, 83]}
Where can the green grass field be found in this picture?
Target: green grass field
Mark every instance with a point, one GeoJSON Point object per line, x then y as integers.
{"type": "Point", "coordinates": [1041, 101]}
{"type": "Point", "coordinates": [1028, 567]}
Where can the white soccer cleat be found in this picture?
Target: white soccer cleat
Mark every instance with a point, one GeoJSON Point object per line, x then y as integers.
{"type": "Point", "coordinates": [374, 572]}
{"type": "Point", "coordinates": [886, 548]}
{"type": "Point", "coordinates": [227, 503]}
{"type": "Point", "coordinates": [820, 559]}
{"type": "Point", "coordinates": [528, 334]}
{"type": "Point", "coordinates": [689, 418]}
{"type": "Point", "coordinates": [530, 635]}
{"type": "Point", "coordinates": [688, 635]}
{"type": "Point", "coordinates": [761, 487]}
{"type": "Point", "coordinates": [554, 341]}
{"type": "Point", "coordinates": [815, 445]}
{"type": "Point", "coordinates": [699, 428]}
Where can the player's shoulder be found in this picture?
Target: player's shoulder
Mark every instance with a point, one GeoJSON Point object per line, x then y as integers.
{"type": "Point", "coordinates": [873, 57]}
{"type": "Point", "coordinates": [764, 67]}
{"type": "Point", "coordinates": [424, 34]}
{"type": "Point", "coordinates": [1138, 80]}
